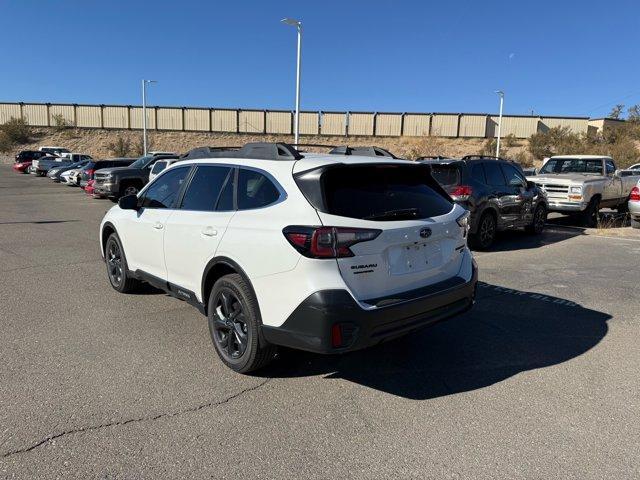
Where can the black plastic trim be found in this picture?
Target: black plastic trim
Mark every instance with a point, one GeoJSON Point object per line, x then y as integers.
{"type": "Point", "coordinates": [309, 326]}
{"type": "Point", "coordinates": [172, 289]}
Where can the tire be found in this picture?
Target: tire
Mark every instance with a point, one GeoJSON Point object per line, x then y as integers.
{"type": "Point", "coordinates": [486, 234]}
{"type": "Point", "coordinates": [623, 207]}
{"type": "Point", "coordinates": [116, 264]}
{"type": "Point", "coordinates": [590, 215]}
{"type": "Point", "coordinates": [635, 223]}
{"type": "Point", "coordinates": [234, 325]}
{"type": "Point", "coordinates": [538, 221]}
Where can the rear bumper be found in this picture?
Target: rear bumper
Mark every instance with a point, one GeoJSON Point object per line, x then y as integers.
{"type": "Point", "coordinates": [634, 210]}
{"type": "Point", "coordinates": [310, 326]}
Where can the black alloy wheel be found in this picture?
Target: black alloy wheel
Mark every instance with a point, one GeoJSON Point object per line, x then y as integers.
{"type": "Point", "coordinates": [231, 332]}
{"type": "Point", "coordinates": [539, 221]}
{"type": "Point", "coordinates": [114, 263]}
{"type": "Point", "coordinates": [486, 231]}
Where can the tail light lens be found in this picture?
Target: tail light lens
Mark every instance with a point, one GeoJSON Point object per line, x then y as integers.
{"type": "Point", "coordinates": [327, 242]}
{"type": "Point", "coordinates": [462, 192]}
{"type": "Point", "coordinates": [635, 194]}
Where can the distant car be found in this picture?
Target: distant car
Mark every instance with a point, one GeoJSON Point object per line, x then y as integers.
{"type": "Point", "coordinates": [634, 167]}
{"type": "Point", "coordinates": [54, 150]}
{"type": "Point", "coordinates": [496, 193]}
{"type": "Point", "coordinates": [156, 153]}
{"type": "Point", "coordinates": [119, 181]}
{"type": "Point", "coordinates": [634, 206]}
{"type": "Point", "coordinates": [160, 165]}
{"type": "Point", "coordinates": [68, 176]}
{"type": "Point", "coordinates": [24, 159]}
{"type": "Point", "coordinates": [43, 165]}
{"type": "Point", "coordinates": [55, 173]}
{"type": "Point", "coordinates": [89, 169]}
{"type": "Point", "coordinates": [88, 189]}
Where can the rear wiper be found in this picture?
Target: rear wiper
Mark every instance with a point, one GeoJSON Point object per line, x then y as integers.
{"type": "Point", "coordinates": [403, 212]}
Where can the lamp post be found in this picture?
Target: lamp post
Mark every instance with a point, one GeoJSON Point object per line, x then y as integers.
{"type": "Point", "coordinates": [501, 94]}
{"type": "Point", "coordinates": [144, 114]}
{"type": "Point", "coordinates": [296, 123]}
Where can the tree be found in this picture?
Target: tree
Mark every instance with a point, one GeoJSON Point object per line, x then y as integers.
{"type": "Point", "coordinates": [616, 111]}
{"type": "Point", "coordinates": [633, 113]}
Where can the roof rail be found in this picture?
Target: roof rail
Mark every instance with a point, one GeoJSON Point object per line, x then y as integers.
{"type": "Point", "coordinates": [433, 157]}
{"type": "Point", "coordinates": [481, 157]}
{"type": "Point", "coordinates": [255, 150]}
{"type": "Point", "coordinates": [364, 151]}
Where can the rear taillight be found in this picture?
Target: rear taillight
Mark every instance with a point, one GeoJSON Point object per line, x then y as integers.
{"type": "Point", "coordinates": [462, 191]}
{"type": "Point", "coordinates": [327, 242]}
{"type": "Point", "coordinates": [635, 194]}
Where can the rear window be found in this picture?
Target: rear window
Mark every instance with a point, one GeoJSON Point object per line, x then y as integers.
{"type": "Point", "coordinates": [383, 193]}
{"type": "Point", "coordinates": [446, 174]}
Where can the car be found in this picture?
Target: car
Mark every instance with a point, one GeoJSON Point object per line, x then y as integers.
{"type": "Point", "coordinates": [89, 170]}
{"type": "Point", "coordinates": [24, 159]}
{"type": "Point", "coordinates": [495, 192]}
{"type": "Point", "coordinates": [159, 165]}
{"type": "Point", "coordinates": [88, 189]}
{"type": "Point", "coordinates": [57, 151]}
{"type": "Point", "coordinates": [582, 184]}
{"type": "Point", "coordinates": [320, 252]}
{"type": "Point", "coordinates": [125, 180]}
{"type": "Point", "coordinates": [634, 167]}
{"type": "Point", "coordinates": [55, 172]}
{"type": "Point", "coordinates": [634, 206]}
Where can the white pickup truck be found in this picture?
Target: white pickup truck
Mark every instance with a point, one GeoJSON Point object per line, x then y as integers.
{"type": "Point", "coordinates": [582, 184]}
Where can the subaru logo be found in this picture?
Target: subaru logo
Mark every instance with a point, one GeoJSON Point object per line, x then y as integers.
{"type": "Point", "coordinates": [425, 232]}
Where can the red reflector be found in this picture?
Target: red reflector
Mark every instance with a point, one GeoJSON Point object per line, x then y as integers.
{"type": "Point", "coordinates": [299, 239]}
{"type": "Point", "coordinates": [462, 191]}
{"type": "Point", "coordinates": [635, 194]}
{"type": "Point", "coordinates": [336, 336]}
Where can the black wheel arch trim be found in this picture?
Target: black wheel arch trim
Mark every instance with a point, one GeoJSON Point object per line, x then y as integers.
{"type": "Point", "coordinates": [226, 261]}
{"type": "Point", "coordinates": [103, 239]}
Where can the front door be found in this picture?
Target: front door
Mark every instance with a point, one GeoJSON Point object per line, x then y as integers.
{"type": "Point", "coordinates": [143, 232]}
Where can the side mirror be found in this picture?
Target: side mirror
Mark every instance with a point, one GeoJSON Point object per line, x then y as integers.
{"type": "Point", "coordinates": [128, 202]}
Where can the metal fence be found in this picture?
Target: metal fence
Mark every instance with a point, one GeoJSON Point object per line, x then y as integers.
{"type": "Point", "coordinates": [464, 125]}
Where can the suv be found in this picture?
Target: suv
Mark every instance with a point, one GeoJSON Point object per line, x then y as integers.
{"type": "Point", "coordinates": [118, 181]}
{"type": "Point", "coordinates": [320, 252]}
{"type": "Point", "coordinates": [158, 166]}
{"type": "Point", "coordinates": [89, 170]}
{"type": "Point", "coordinates": [497, 194]}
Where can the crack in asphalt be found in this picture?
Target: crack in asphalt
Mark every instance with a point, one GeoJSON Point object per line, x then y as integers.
{"type": "Point", "coordinates": [121, 423]}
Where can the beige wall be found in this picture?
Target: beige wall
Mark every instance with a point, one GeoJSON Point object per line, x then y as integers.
{"type": "Point", "coordinates": [332, 123]}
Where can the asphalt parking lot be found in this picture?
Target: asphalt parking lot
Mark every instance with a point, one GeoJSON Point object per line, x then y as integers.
{"type": "Point", "coordinates": [540, 380]}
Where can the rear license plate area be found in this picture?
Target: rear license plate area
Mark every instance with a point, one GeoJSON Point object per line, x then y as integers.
{"type": "Point", "coordinates": [416, 257]}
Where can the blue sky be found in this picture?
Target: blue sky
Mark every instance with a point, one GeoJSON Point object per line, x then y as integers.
{"type": "Point", "coordinates": [553, 57]}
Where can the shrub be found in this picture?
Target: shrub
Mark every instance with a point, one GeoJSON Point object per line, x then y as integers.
{"type": "Point", "coordinates": [5, 144]}
{"type": "Point", "coordinates": [511, 140]}
{"type": "Point", "coordinates": [489, 148]}
{"type": "Point", "coordinates": [16, 131]}
{"type": "Point", "coordinates": [121, 147]}
{"type": "Point", "coordinates": [60, 123]}
{"type": "Point", "coordinates": [555, 141]}
{"type": "Point", "coordinates": [523, 159]}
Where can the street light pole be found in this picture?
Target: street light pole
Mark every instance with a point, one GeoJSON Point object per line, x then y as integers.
{"type": "Point", "coordinates": [501, 94]}
{"type": "Point", "coordinates": [296, 124]}
{"type": "Point", "coordinates": [144, 115]}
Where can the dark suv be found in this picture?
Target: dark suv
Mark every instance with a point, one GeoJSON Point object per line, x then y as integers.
{"type": "Point", "coordinates": [496, 193]}
{"type": "Point", "coordinates": [117, 182]}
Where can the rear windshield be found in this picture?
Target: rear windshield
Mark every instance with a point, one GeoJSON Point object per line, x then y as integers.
{"type": "Point", "coordinates": [446, 174]}
{"type": "Point", "coordinates": [383, 193]}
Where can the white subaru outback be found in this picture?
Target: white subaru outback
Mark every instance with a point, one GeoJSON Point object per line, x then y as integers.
{"type": "Point", "coordinates": [322, 252]}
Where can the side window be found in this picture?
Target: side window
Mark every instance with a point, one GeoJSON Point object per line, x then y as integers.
{"type": "Point", "coordinates": [158, 166]}
{"type": "Point", "coordinates": [477, 173]}
{"type": "Point", "coordinates": [514, 178]}
{"type": "Point", "coordinates": [205, 188]}
{"type": "Point", "coordinates": [255, 190]}
{"type": "Point", "coordinates": [164, 191]}
{"type": "Point", "coordinates": [494, 174]}
{"type": "Point", "coordinates": [611, 168]}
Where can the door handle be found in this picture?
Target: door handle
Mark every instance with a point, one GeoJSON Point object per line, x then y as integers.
{"type": "Point", "coordinates": [158, 226]}
{"type": "Point", "coordinates": [209, 232]}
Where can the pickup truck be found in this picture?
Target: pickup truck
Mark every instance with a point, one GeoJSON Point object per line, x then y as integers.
{"type": "Point", "coordinates": [582, 184]}
{"type": "Point", "coordinates": [117, 182]}
{"type": "Point", "coordinates": [42, 165]}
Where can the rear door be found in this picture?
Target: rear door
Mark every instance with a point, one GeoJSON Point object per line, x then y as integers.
{"type": "Point", "coordinates": [194, 231]}
{"type": "Point", "coordinates": [420, 242]}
